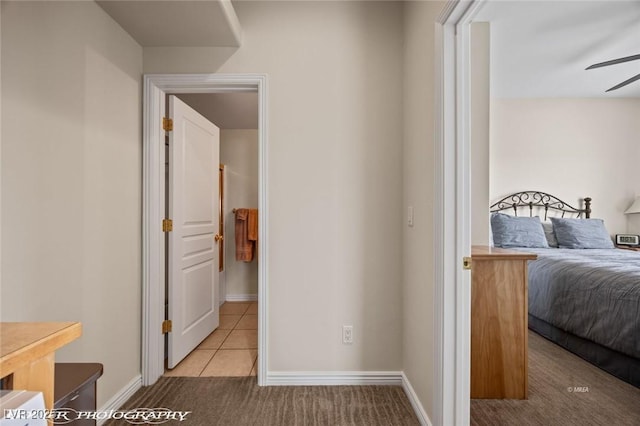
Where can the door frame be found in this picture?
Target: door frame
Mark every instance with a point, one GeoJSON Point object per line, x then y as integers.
{"type": "Point", "coordinates": [156, 86]}
{"type": "Point", "coordinates": [453, 212]}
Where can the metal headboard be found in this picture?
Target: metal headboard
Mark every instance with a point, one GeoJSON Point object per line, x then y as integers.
{"type": "Point", "coordinates": [533, 199]}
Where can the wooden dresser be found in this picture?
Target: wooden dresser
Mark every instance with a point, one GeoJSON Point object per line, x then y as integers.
{"type": "Point", "coordinates": [499, 364]}
{"type": "Point", "coordinates": [27, 353]}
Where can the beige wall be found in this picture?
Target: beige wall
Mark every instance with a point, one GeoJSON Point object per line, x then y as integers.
{"type": "Point", "coordinates": [0, 162]}
{"type": "Point", "coordinates": [571, 148]}
{"type": "Point", "coordinates": [335, 174]}
{"type": "Point", "coordinates": [71, 180]}
{"type": "Point", "coordinates": [344, 163]}
{"type": "Point", "coordinates": [480, 132]}
{"type": "Point", "coordinates": [239, 154]}
{"type": "Point", "coordinates": [418, 163]}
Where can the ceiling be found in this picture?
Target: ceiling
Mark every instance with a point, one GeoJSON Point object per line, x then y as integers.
{"type": "Point", "coordinates": [236, 110]}
{"type": "Point", "coordinates": [177, 22]}
{"type": "Point", "coordinates": [541, 48]}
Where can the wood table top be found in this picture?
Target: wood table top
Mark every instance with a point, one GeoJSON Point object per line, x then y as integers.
{"type": "Point", "coordinates": [493, 253]}
{"type": "Point", "coordinates": [23, 342]}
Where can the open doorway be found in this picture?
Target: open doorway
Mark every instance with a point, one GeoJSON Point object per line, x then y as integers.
{"type": "Point", "coordinates": [157, 87]}
{"type": "Point", "coordinates": [230, 348]}
{"type": "Point", "coordinates": [457, 126]}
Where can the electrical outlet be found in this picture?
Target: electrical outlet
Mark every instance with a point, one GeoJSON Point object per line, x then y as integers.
{"type": "Point", "coordinates": [347, 334]}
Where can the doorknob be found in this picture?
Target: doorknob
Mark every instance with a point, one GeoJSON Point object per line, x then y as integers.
{"type": "Point", "coordinates": [218, 237]}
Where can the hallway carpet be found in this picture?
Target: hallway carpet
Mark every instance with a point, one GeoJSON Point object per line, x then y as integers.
{"type": "Point", "coordinates": [232, 401]}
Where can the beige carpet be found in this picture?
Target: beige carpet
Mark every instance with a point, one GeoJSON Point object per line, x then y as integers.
{"type": "Point", "coordinates": [563, 390]}
{"type": "Point", "coordinates": [239, 401]}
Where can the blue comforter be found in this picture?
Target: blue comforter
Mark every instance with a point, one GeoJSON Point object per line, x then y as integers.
{"type": "Point", "coordinates": [594, 294]}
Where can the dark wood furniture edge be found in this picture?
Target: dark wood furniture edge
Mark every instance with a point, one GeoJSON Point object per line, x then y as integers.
{"type": "Point", "coordinates": [92, 371]}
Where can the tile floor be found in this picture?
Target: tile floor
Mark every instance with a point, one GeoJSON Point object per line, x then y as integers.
{"type": "Point", "coordinates": [231, 350]}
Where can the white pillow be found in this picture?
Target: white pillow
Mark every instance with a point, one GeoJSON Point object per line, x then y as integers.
{"type": "Point", "coordinates": [551, 236]}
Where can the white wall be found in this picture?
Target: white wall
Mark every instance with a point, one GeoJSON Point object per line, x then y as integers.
{"type": "Point", "coordinates": [71, 180]}
{"type": "Point", "coordinates": [335, 174]}
{"type": "Point", "coordinates": [239, 154]}
{"type": "Point", "coordinates": [417, 169]}
{"type": "Point", "coordinates": [571, 148]}
{"type": "Point", "coordinates": [633, 220]}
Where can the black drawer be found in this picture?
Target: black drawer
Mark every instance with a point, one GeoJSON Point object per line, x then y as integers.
{"type": "Point", "coordinates": [75, 388]}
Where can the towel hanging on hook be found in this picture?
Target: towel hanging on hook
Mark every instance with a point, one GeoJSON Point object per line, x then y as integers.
{"type": "Point", "coordinates": [246, 233]}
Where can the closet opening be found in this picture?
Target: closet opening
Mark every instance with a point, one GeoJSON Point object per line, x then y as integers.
{"type": "Point", "coordinates": [230, 349]}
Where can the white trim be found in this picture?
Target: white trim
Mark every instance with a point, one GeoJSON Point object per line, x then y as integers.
{"type": "Point", "coordinates": [445, 410]}
{"type": "Point", "coordinates": [263, 252]}
{"type": "Point", "coordinates": [442, 368]}
{"type": "Point", "coordinates": [121, 397]}
{"type": "Point", "coordinates": [241, 297]}
{"type": "Point", "coordinates": [153, 246]}
{"type": "Point", "coordinates": [421, 413]}
{"type": "Point", "coordinates": [155, 87]}
{"type": "Point", "coordinates": [333, 378]}
{"type": "Point", "coordinates": [462, 227]}
{"type": "Point", "coordinates": [452, 213]}
{"type": "Point", "coordinates": [351, 378]}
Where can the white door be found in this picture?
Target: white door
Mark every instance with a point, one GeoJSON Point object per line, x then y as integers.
{"type": "Point", "coordinates": [193, 248]}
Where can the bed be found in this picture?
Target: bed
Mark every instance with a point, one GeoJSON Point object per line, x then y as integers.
{"type": "Point", "coordinates": [585, 300]}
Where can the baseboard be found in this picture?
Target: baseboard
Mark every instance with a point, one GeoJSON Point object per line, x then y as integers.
{"type": "Point", "coordinates": [415, 401]}
{"type": "Point", "coordinates": [333, 378]}
{"type": "Point", "coordinates": [241, 297]}
{"type": "Point", "coordinates": [121, 397]}
{"type": "Point", "coordinates": [350, 378]}
{"type": "Point", "coordinates": [308, 378]}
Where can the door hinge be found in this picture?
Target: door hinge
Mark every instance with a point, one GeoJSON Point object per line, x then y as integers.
{"type": "Point", "coordinates": [167, 225]}
{"type": "Point", "coordinates": [167, 124]}
{"type": "Point", "coordinates": [466, 263]}
{"type": "Point", "coordinates": [166, 326]}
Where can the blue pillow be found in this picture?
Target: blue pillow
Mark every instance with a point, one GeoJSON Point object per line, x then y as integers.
{"type": "Point", "coordinates": [581, 233]}
{"type": "Point", "coordinates": [513, 231]}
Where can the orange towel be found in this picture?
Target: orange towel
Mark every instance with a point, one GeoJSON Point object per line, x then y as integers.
{"type": "Point", "coordinates": [252, 225]}
{"type": "Point", "coordinates": [244, 247]}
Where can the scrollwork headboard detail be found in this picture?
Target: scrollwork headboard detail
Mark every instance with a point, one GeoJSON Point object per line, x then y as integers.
{"type": "Point", "coordinates": [543, 200]}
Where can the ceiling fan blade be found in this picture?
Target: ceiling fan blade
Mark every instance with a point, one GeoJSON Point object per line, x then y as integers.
{"type": "Point", "coordinates": [615, 61]}
{"type": "Point", "coordinates": [624, 83]}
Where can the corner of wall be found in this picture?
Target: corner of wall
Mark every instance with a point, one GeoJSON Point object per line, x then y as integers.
{"type": "Point", "coordinates": [418, 191]}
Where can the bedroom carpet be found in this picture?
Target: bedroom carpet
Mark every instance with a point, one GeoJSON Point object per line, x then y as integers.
{"type": "Point", "coordinates": [563, 389]}
{"type": "Point", "coordinates": [232, 401]}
